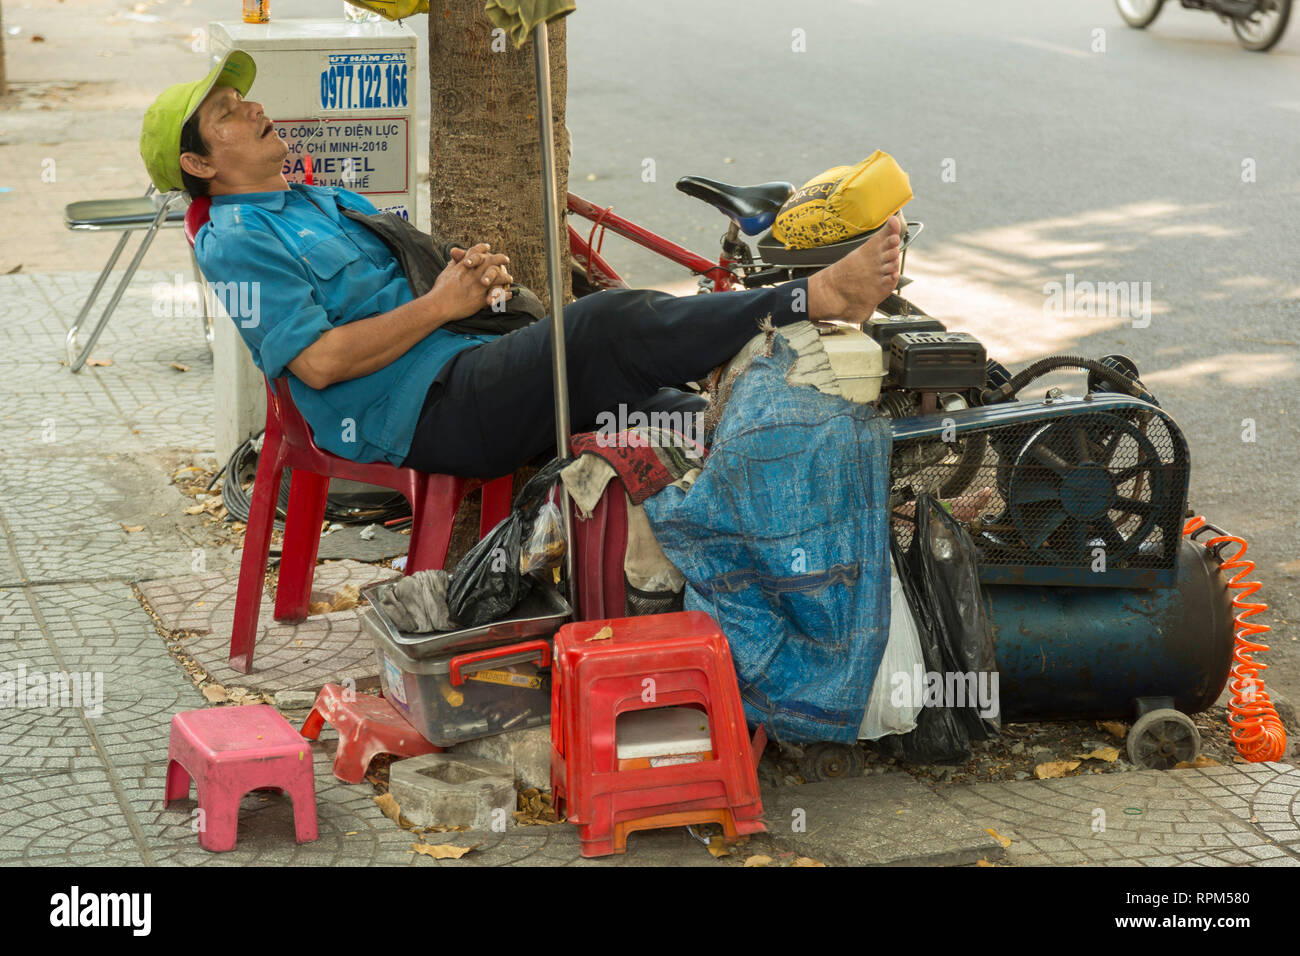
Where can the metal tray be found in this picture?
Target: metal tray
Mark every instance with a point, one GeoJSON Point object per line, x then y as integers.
{"type": "Point", "coordinates": [541, 612]}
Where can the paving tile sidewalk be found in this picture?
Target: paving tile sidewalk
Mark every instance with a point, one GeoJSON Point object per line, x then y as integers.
{"type": "Point", "coordinates": [86, 456]}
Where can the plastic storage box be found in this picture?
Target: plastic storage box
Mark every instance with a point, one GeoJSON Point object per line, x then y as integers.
{"type": "Point", "coordinates": [452, 691]}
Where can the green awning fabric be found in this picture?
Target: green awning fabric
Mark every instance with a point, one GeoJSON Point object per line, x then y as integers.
{"type": "Point", "coordinates": [518, 17]}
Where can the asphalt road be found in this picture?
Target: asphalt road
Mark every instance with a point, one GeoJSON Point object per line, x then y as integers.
{"type": "Point", "coordinates": [1167, 157]}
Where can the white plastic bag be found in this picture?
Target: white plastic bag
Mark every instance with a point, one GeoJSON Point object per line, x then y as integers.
{"type": "Point", "coordinates": [902, 657]}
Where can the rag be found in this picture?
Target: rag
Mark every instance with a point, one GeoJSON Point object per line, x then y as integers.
{"type": "Point", "coordinates": [417, 604]}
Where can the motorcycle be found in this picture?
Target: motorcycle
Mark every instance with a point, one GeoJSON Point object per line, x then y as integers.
{"type": "Point", "coordinates": [1258, 24]}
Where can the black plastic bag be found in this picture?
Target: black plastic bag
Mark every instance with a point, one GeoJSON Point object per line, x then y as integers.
{"type": "Point", "coordinates": [939, 736]}
{"type": "Point", "coordinates": [952, 582]}
{"type": "Point", "coordinates": [940, 578]}
{"type": "Point", "coordinates": [487, 583]}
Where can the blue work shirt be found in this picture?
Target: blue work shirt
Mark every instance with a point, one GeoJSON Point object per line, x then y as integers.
{"type": "Point", "coordinates": [315, 269]}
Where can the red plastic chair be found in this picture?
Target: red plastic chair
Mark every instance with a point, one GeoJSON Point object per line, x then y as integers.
{"type": "Point", "coordinates": [288, 443]}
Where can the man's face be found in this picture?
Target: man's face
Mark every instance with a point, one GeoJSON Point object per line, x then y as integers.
{"type": "Point", "coordinates": [242, 143]}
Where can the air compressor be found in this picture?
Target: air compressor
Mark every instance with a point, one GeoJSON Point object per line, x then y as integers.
{"type": "Point", "coordinates": [1100, 605]}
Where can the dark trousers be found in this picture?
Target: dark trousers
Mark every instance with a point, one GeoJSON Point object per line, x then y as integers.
{"type": "Point", "coordinates": [492, 408]}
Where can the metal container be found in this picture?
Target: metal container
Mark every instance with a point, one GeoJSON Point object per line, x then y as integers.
{"type": "Point", "coordinates": [1067, 653]}
{"type": "Point", "coordinates": [541, 612]}
{"type": "Point", "coordinates": [460, 685]}
{"type": "Point", "coordinates": [464, 694]}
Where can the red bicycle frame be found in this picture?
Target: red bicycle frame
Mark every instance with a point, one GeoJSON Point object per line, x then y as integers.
{"type": "Point", "coordinates": [602, 274]}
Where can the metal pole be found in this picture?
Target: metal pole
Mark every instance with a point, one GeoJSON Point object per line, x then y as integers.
{"type": "Point", "coordinates": [551, 235]}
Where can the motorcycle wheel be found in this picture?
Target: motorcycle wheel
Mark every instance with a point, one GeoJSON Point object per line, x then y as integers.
{"type": "Point", "coordinates": [1261, 31]}
{"type": "Point", "coordinates": [1139, 13]}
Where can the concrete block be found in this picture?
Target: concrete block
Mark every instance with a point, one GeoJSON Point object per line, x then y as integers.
{"type": "Point", "coordinates": [295, 699]}
{"type": "Point", "coordinates": [453, 790]}
{"type": "Point", "coordinates": [527, 752]}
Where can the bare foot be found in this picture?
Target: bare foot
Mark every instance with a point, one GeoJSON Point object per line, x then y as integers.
{"type": "Point", "coordinates": [851, 288]}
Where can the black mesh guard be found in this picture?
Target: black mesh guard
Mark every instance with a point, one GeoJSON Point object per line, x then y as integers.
{"type": "Point", "coordinates": [1090, 498]}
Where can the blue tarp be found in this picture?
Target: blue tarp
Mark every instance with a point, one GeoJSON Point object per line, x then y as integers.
{"type": "Point", "coordinates": [783, 539]}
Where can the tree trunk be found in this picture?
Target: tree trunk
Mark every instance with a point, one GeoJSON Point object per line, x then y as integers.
{"type": "Point", "coordinates": [484, 150]}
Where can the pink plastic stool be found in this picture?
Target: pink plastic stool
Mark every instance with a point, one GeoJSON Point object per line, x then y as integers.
{"type": "Point", "coordinates": [367, 726]}
{"type": "Point", "coordinates": [228, 751]}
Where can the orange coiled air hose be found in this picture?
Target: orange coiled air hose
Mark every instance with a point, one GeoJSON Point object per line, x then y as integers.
{"type": "Point", "coordinates": [1256, 729]}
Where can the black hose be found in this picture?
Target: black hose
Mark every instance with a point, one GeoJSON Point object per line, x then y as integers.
{"type": "Point", "coordinates": [1005, 393]}
{"type": "Point", "coordinates": [238, 501]}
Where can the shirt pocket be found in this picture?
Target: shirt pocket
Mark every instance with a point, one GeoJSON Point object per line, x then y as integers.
{"type": "Point", "coordinates": [330, 256]}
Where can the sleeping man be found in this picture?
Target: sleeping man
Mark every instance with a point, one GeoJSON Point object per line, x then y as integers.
{"type": "Point", "coordinates": [370, 364]}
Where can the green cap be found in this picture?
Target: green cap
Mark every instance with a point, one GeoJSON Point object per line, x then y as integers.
{"type": "Point", "coordinates": [160, 136]}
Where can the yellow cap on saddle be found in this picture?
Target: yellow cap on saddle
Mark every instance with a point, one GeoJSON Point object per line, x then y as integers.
{"type": "Point", "coordinates": [843, 202]}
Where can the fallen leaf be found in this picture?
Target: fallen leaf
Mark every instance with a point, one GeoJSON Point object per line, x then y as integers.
{"type": "Point", "coordinates": [758, 860]}
{"type": "Point", "coordinates": [443, 851]}
{"type": "Point", "coordinates": [1005, 841]}
{"type": "Point", "coordinates": [535, 808]}
{"type": "Point", "coordinates": [99, 362]}
{"type": "Point", "coordinates": [983, 863]}
{"type": "Point", "coordinates": [545, 819]}
{"type": "Point", "coordinates": [179, 367]}
{"type": "Point", "coordinates": [1108, 754]}
{"type": "Point", "coordinates": [806, 861]}
{"type": "Point", "coordinates": [131, 528]}
{"type": "Point", "coordinates": [387, 804]}
{"type": "Point", "coordinates": [319, 607]}
{"type": "Point", "coordinates": [718, 847]}
{"type": "Point", "coordinates": [347, 597]}
{"type": "Point", "coordinates": [1054, 768]}
{"type": "Point", "coordinates": [215, 693]}
{"type": "Point", "coordinates": [1200, 761]}
{"type": "Point", "coordinates": [604, 634]}
{"type": "Point", "coordinates": [1115, 728]}
{"type": "Point", "coordinates": [194, 510]}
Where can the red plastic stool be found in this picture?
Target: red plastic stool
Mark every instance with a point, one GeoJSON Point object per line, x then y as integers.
{"type": "Point", "coordinates": [661, 660]}
{"type": "Point", "coordinates": [367, 726]}
{"type": "Point", "coordinates": [228, 751]}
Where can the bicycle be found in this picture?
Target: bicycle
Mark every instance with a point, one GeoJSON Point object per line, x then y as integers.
{"type": "Point", "coordinates": [751, 210]}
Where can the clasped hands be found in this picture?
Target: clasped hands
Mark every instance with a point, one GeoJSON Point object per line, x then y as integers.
{"type": "Point", "coordinates": [476, 278]}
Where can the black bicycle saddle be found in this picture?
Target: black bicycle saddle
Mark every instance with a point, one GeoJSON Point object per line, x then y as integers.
{"type": "Point", "coordinates": [752, 208]}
